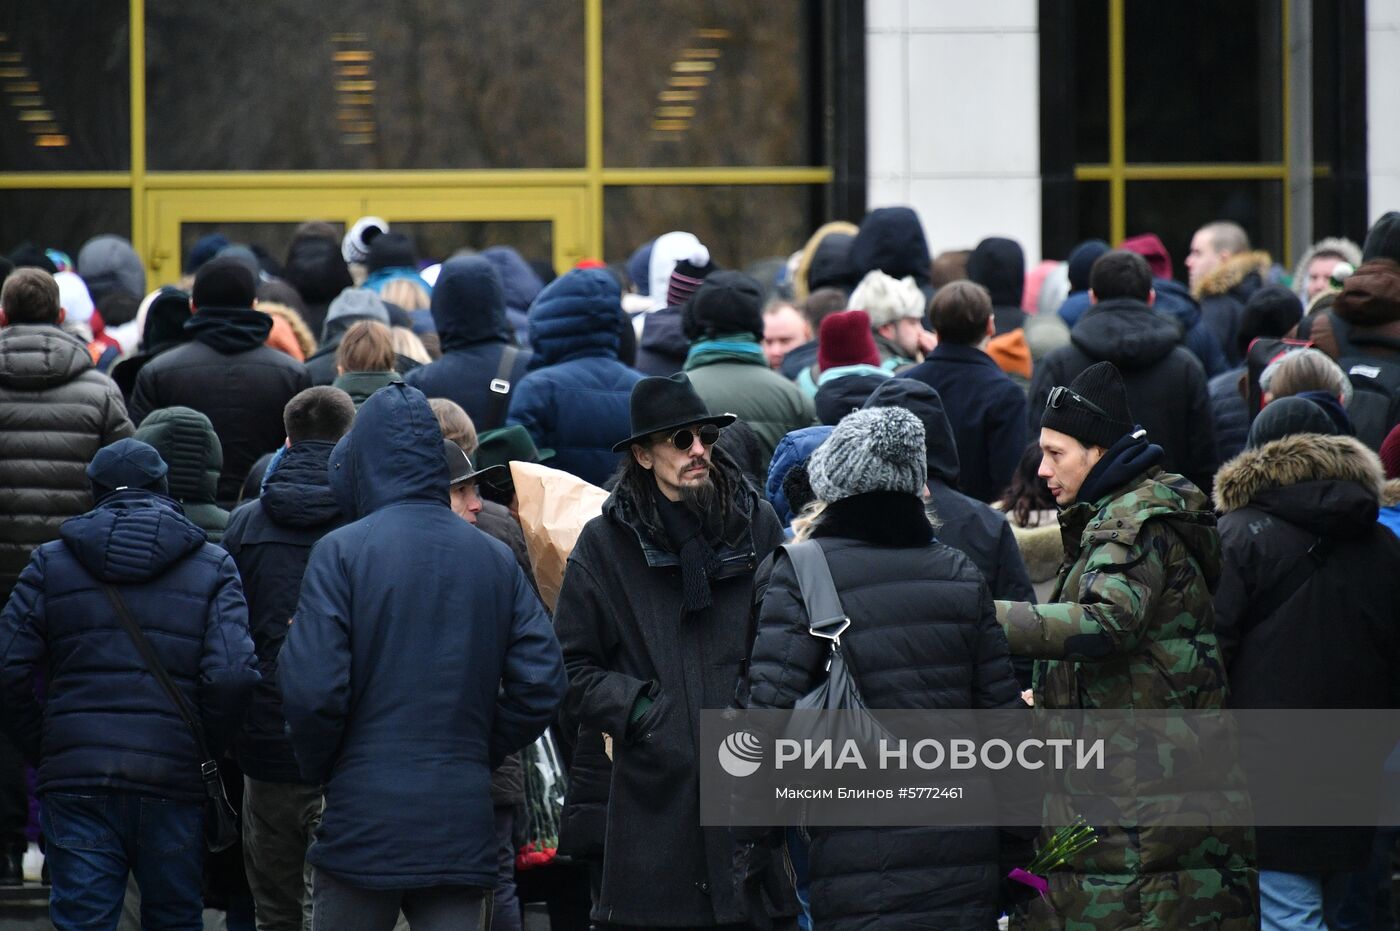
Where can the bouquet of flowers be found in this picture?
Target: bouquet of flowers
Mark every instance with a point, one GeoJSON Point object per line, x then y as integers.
{"type": "Point", "coordinates": [545, 783]}
{"type": "Point", "coordinates": [1064, 844]}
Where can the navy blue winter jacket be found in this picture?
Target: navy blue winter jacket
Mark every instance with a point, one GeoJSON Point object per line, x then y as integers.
{"type": "Point", "coordinates": [270, 539]}
{"type": "Point", "coordinates": [105, 722]}
{"type": "Point", "coordinates": [988, 413]}
{"type": "Point", "coordinates": [418, 658]}
{"type": "Point", "coordinates": [575, 402]}
{"type": "Point", "coordinates": [1174, 299]}
{"type": "Point", "coordinates": [469, 310]}
{"type": "Point", "coordinates": [520, 285]}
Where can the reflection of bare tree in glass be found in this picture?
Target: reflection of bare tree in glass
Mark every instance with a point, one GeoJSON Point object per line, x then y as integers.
{"type": "Point", "coordinates": [467, 84]}
{"type": "Point", "coordinates": [739, 224]}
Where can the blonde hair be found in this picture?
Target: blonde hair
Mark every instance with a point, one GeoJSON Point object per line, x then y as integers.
{"type": "Point", "coordinates": [366, 347]}
{"type": "Point", "coordinates": [804, 524]}
{"type": "Point", "coordinates": [456, 425]}
{"type": "Point", "coordinates": [406, 293]}
{"type": "Point", "coordinates": [407, 344]}
{"type": "Point", "coordinates": [1302, 370]}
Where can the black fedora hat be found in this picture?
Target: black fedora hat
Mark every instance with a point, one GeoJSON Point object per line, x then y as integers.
{"type": "Point", "coordinates": [660, 405]}
{"type": "Point", "coordinates": [460, 468]}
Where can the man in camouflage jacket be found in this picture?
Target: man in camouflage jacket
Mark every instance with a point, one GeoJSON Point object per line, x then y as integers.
{"type": "Point", "coordinates": [1130, 627]}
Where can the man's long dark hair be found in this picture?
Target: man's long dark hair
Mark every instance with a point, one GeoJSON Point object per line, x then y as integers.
{"type": "Point", "coordinates": [724, 476]}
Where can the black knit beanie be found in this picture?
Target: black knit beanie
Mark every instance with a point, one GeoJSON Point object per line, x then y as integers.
{"type": "Point", "coordinates": [224, 282]}
{"type": "Point", "coordinates": [1101, 386]}
{"type": "Point", "coordinates": [726, 303]}
{"type": "Point", "coordinates": [1383, 239]}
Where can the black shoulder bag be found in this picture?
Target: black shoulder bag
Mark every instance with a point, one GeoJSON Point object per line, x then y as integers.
{"type": "Point", "coordinates": [220, 820]}
{"type": "Point", "coordinates": [500, 386]}
{"type": "Point", "coordinates": [837, 692]}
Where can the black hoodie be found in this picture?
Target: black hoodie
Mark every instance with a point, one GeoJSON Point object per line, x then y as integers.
{"type": "Point", "coordinates": [892, 240]}
{"type": "Point", "coordinates": [228, 375]}
{"type": "Point", "coordinates": [999, 265]}
{"type": "Point", "coordinates": [1165, 382]}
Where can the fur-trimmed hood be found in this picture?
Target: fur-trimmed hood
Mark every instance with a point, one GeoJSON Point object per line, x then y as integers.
{"type": "Point", "coordinates": [1332, 245]}
{"type": "Point", "coordinates": [1292, 460]}
{"type": "Point", "coordinates": [1232, 272]}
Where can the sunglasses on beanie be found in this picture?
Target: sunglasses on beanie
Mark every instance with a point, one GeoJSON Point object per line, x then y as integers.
{"type": "Point", "coordinates": [1060, 394]}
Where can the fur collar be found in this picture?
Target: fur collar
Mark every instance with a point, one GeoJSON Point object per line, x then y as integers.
{"type": "Point", "coordinates": [881, 518]}
{"type": "Point", "coordinates": [1390, 493]}
{"type": "Point", "coordinates": [1232, 271]}
{"type": "Point", "coordinates": [1302, 457]}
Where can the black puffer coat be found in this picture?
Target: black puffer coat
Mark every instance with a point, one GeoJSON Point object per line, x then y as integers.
{"type": "Point", "coordinates": [228, 375]}
{"type": "Point", "coordinates": [56, 412]}
{"type": "Point", "coordinates": [1305, 611]}
{"type": "Point", "coordinates": [270, 540]}
{"type": "Point", "coordinates": [625, 633]}
{"type": "Point", "coordinates": [923, 635]}
{"type": "Point", "coordinates": [1166, 383]}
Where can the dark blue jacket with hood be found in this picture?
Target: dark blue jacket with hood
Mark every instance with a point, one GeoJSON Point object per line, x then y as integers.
{"type": "Point", "coordinates": [521, 286]}
{"type": "Point", "coordinates": [105, 723]}
{"type": "Point", "coordinates": [575, 402]}
{"type": "Point", "coordinates": [892, 240]}
{"type": "Point", "coordinates": [469, 310]}
{"type": "Point", "coordinates": [270, 539]}
{"type": "Point", "coordinates": [418, 658]}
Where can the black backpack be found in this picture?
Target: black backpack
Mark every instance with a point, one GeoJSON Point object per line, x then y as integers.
{"type": "Point", "coordinates": [1375, 402]}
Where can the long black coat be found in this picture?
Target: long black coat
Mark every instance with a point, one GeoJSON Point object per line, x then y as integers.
{"type": "Point", "coordinates": [1301, 629]}
{"type": "Point", "coordinates": [1165, 382]}
{"type": "Point", "coordinates": [621, 623]}
{"type": "Point", "coordinates": [923, 634]}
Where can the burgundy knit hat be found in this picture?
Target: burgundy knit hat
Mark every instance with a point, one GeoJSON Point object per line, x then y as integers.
{"type": "Point", "coordinates": [1150, 247]}
{"type": "Point", "coordinates": [1390, 453]}
{"type": "Point", "coordinates": [845, 339]}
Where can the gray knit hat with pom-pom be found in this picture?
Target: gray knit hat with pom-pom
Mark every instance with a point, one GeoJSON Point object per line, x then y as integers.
{"type": "Point", "coordinates": [877, 449]}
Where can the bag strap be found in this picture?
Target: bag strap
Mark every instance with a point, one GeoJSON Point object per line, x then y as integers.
{"type": "Point", "coordinates": [825, 616]}
{"type": "Point", "coordinates": [207, 762]}
{"type": "Point", "coordinates": [500, 385]}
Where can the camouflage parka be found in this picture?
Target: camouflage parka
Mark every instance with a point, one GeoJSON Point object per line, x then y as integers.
{"type": "Point", "coordinates": [1130, 626]}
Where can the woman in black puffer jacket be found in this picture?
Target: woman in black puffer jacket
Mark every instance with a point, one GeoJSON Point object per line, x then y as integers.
{"type": "Point", "coordinates": [923, 635]}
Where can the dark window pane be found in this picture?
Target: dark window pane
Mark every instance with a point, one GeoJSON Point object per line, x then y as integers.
{"type": "Point", "coordinates": [740, 224]}
{"type": "Point", "coordinates": [1090, 79]}
{"type": "Point", "coordinates": [437, 241]}
{"type": "Point", "coordinates": [716, 84]}
{"type": "Point", "coordinates": [1325, 213]}
{"type": "Point", "coordinates": [62, 219]}
{"type": "Point", "coordinates": [66, 76]}
{"type": "Point", "coordinates": [1203, 81]}
{"type": "Point", "coordinates": [1091, 211]}
{"type": "Point", "coordinates": [1325, 82]}
{"type": "Point", "coordinates": [1174, 210]}
{"type": "Point", "coordinates": [365, 84]}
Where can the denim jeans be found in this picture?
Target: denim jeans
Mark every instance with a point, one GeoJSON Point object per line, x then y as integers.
{"type": "Point", "coordinates": [95, 839]}
{"type": "Point", "coordinates": [1290, 901]}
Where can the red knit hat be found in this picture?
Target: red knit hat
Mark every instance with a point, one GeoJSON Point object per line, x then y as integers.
{"type": "Point", "coordinates": [1390, 453]}
{"type": "Point", "coordinates": [845, 339]}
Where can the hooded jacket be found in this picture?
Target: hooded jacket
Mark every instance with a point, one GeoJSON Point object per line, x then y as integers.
{"type": "Point", "coordinates": [1349, 251]}
{"type": "Point", "coordinates": [792, 450]}
{"type": "Point", "coordinates": [1370, 304]}
{"type": "Point", "coordinates": [844, 388]}
{"type": "Point", "coordinates": [56, 412]}
{"type": "Point", "coordinates": [892, 240]}
{"type": "Point", "coordinates": [922, 635]}
{"type": "Point", "coordinates": [663, 344]}
{"type": "Point", "coordinates": [987, 412]}
{"type": "Point", "coordinates": [186, 441]}
{"type": "Point", "coordinates": [999, 265]}
{"type": "Point", "coordinates": [625, 633]}
{"type": "Point", "coordinates": [400, 698]}
{"type": "Point", "coordinates": [1130, 626]}
{"type": "Point", "coordinates": [229, 375]}
{"type": "Point", "coordinates": [104, 722]}
{"type": "Point", "coordinates": [162, 328]}
{"type": "Point", "coordinates": [520, 285]}
{"type": "Point", "coordinates": [1305, 608]}
{"type": "Point", "coordinates": [1166, 384]}
{"type": "Point", "coordinates": [1223, 293]}
{"type": "Point", "coordinates": [469, 310]}
{"type": "Point", "coordinates": [1174, 300]}
{"type": "Point", "coordinates": [575, 401]}
{"type": "Point", "coordinates": [321, 365]}
{"type": "Point", "coordinates": [270, 540]}
{"type": "Point", "coordinates": [825, 260]}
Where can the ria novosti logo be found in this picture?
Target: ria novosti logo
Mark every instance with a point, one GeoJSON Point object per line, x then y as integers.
{"type": "Point", "coordinates": [741, 754]}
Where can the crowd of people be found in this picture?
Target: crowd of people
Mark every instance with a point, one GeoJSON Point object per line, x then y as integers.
{"type": "Point", "coordinates": [261, 548]}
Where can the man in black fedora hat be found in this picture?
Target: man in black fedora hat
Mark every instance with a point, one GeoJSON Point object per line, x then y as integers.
{"type": "Point", "coordinates": [653, 616]}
